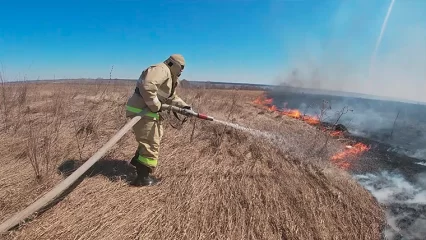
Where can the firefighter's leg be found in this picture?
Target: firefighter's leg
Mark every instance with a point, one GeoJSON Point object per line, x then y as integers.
{"type": "Point", "coordinates": [148, 133]}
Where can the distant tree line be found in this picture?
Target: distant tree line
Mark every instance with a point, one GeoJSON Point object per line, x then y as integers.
{"type": "Point", "coordinates": [184, 83]}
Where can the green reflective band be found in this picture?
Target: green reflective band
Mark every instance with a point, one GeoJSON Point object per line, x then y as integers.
{"type": "Point", "coordinates": [153, 115]}
{"type": "Point", "coordinates": [147, 161]}
{"type": "Point", "coordinates": [133, 109]}
{"type": "Point", "coordinates": [144, 112]}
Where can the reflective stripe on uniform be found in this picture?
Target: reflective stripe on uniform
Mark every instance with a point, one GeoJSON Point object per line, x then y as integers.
{"type": "Point", "coordinates": [142, 112]}
{"type": "Point", "coordinates": [147, 161]}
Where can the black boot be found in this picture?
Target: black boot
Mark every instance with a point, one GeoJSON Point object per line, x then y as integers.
{"type": "Point", "coordinates": [143, 178]}
{"type": "Point", "coordinates": [134, 160]}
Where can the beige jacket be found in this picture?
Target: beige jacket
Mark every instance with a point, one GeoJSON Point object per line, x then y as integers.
{"type": "Point", "coordinates": [156, 86]}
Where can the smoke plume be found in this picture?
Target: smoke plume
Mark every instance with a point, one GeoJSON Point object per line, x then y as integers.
{"type": "Point", "coordinates": [342, 61]}
{"type": "Point", "coordinates": [405, 202]}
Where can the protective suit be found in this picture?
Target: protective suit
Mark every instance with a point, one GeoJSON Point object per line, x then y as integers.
{"type": "Point", "coordinates": [156, 85]}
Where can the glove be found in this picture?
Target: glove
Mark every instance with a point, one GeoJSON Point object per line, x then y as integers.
{"type": "Point", "coordinates": [189, 110]}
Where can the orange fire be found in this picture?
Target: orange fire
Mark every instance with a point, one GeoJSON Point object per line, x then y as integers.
{"type": "Point", "coordinates": [311, 120]}
{"type": "Point", "coordinates": [273, 108]}
{"type": "Point", "coordinates": [336, 133]}
{"type": "Point", "coordinates": [268, 101]}
{"type": "Point", "coordinates": [261, 101]}
{"type": "Point", "coordinates": [342, 164]}
{"type": "Point", "coordinates": [341, 159]}
{"type": "Point", "coordinates": [294, 113]}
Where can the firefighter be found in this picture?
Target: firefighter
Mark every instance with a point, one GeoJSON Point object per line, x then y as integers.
{"type": "Point", "coordinates": [155, 86]}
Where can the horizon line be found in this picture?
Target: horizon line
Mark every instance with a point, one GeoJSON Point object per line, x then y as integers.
{"type": "Point", "coordinates": [323, 91]}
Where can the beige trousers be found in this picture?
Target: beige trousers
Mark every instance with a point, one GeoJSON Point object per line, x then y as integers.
{"type": "Point", "coordinates": [148, 134]}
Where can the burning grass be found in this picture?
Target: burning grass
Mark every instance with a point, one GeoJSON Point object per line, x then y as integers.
{"type": "Point", "coordinates": [350, 152]}
{"type": "Point", "coordinates": [217, 182]}
{"type": "Point", "coordinates": [342, 158]}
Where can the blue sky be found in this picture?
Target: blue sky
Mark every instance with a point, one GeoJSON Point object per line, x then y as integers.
{"type": "Point", "coordinates": [234, 40]}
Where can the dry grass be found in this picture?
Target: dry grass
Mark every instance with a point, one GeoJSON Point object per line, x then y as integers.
{"type": "Point", "coordinates": [217, 182]}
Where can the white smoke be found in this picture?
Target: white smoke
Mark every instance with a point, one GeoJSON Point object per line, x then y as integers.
{"type": "Point", "coordinates": [421, 154]}
{"type": "Point", "coordinates": [382, 37]}
{"type": "Point", "coordinates": [417, 153]}
{"type": "Point", "coordinates": [392, 188]}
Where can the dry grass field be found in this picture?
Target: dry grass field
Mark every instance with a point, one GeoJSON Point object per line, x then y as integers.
{"type": "Point", "coordinates": [217, 182]}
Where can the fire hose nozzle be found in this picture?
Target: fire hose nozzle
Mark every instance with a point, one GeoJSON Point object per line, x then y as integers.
{"type": "Point", "coordinates": [203, 116]}
{"type": "Point", "coordinates": [186, 112]}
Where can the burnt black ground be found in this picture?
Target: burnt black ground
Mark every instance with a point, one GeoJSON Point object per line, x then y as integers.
{"type": "Point", "coordinates": [370, 118]}
{"type": "Point", "coordinates": [392, 169]}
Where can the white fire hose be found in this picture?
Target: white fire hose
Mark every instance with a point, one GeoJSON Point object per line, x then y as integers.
{"type": "Point", "coordinates": [70, 180]}
{"type": "Point", "coordinates": [60, 188]}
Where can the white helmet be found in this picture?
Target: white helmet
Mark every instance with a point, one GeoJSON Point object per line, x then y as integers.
{"type": "Point", "coordinates": [176, 63]}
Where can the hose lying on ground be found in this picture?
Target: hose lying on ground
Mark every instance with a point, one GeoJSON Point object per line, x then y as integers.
{"type": "Point", "coordinates": [64, 185]}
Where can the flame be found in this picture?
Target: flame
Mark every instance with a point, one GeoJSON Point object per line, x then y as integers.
{"type": "Point", "coordinates": [336, 133]}
{"type": "Point", "coordinates": [272, 108]}
{"type": "Point", "coordinates": [351, 151]}
{"type": "Point", "coordinates": [261, 101]}
{"type": "Point", "coordinates": [258, 101]}
{"type": "Point", "coordinates": [311, 120]}
{"type": "Point", "coordinates": [294, 113]}
{"type": "Point", "coordinates": [264, 102]}
{"type": "Point", "coordinates": [342, 164]}
{"type": "Point", "coordinates": [340, 159]}
{"type": "Point", "coordinates": [268, 101]}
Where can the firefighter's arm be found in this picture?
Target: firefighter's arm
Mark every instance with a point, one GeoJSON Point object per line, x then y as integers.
{"type": "Point", "coordinates": [175, 100]}
{"type": "Point", "coordinates": [178, 102]}
{"type": "Point", "coordinates": [149, 82]}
